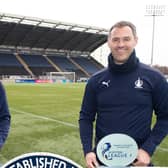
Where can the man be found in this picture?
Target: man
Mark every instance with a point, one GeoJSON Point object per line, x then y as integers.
{"type": "Point", "coordinates": [4, 116]}
{"type": "Point", "coordinates": [122, 98]}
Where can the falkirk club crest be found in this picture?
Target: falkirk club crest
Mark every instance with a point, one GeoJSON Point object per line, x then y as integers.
{"type": "Point", "coordinates": [138, 83]}
{"type": "Point", "coordinates": [40, 160]}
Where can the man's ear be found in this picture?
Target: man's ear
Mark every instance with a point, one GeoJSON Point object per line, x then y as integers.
{"type": "Point", "coordinates": [136, 39]}
{"type": "Point", "coordinates": [108, 41]}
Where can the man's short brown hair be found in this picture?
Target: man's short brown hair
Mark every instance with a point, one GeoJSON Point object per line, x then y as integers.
{"type": "Point", "coordinates": [121, 24]}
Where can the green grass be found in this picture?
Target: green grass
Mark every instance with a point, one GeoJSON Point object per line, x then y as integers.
{"type": "Point", "coordinates": [45, 118]}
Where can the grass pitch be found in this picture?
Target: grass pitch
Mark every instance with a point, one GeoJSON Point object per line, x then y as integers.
{"type": "Point", "coordinates": [45, 119]}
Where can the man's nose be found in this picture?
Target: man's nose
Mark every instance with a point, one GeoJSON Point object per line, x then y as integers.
{"type": "Point", "coordinates": [120, 43]}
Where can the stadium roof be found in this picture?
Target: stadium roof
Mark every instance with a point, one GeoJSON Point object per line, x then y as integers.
{"type": "Point", "coordinates": [28, 33]}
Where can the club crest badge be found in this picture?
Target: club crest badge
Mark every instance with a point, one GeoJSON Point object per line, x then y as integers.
{"type": "Point", "coordinates": [139, 83]}
{"type": "Point", "coordinates": [41, 160]}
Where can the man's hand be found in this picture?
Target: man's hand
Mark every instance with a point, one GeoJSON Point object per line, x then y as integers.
{"type": "Point", "coordinates": [91, 161]}
{"type": "Point", "coordinates": [143, 158]}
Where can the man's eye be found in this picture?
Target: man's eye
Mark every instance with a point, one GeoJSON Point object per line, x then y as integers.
{"type": "Point", "coordinates": [115, 40]}
{"type": "Point", "coordinates": [126, 39]}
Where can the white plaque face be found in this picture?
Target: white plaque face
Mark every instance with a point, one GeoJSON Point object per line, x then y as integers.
{"type": "Point", "coordinates": [117, 150]}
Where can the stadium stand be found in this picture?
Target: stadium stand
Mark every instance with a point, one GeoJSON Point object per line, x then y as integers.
{"type": "Point", "coordinates": [37, 64]}
{"type": "Point", "coordinates": [86, 64]}
{"type": "Point", "coordinates": [32, 47]}
{"type": "Point", "coordinates": [9, 65]}
{"type": "Point", "coordinates": [66, 65]}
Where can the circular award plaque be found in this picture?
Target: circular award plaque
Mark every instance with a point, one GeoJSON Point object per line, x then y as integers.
{"type": "Point", "coordinates": [117, 150]}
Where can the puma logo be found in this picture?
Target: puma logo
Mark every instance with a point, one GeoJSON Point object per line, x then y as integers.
{"type": "Point", "coordinates": [106, 83]}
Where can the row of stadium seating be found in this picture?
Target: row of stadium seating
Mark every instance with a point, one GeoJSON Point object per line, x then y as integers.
{"type": "Point", "coordinates": [36, 65]}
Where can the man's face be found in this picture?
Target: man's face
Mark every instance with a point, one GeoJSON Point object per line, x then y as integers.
{"type": "Point", "coordinates": [121, 42]}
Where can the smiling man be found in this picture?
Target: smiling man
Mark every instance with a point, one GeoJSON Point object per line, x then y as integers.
{"type": "Point", "coordinates": [122, 41]}
{"type": "Point", "coordinates": [121, 99]}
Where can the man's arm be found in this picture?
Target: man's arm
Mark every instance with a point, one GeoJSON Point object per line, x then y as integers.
{"type": "Point", "coordinates": [4, 116]}
{"type": "Point", "coordinates": [87, 117]}
{"type": "Point", "coordinates": [160, 129]}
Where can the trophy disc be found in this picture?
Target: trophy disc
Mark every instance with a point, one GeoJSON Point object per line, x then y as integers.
{"type": "Point", "coordinates": [117, 150]}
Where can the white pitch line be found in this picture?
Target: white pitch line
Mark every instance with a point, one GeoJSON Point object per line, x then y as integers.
{"type": "Point", "coordinates": [163, 149]}
{"type": "Point", "coordinates": [45, 118]}
{"type": "Point", "coordinates": [64, 123]}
